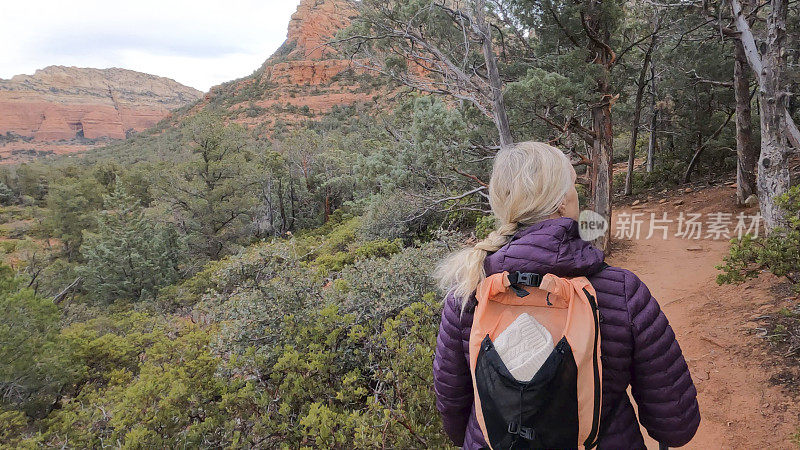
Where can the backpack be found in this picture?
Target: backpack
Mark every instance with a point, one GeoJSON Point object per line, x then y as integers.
{"type": "Point", "coordinates": [546, 393]}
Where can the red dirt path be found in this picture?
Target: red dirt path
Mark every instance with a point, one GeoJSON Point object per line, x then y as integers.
{"type": "Point", "coordinates": [715, 326]}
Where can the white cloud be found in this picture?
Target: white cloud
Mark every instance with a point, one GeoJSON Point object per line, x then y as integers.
{"type": "Point", "coordinates": [198, 43]}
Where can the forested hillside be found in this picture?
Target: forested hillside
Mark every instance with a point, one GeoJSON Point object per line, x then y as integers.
{"type": "Point", "coordinates": [255, 271]}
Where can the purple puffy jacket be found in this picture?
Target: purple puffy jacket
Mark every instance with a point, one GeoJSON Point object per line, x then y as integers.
{"type": "Point", "coordinates": [638, 346]}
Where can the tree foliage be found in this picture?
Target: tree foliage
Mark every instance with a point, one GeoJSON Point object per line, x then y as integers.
{"type": "Point", "coordinates": [30, 372]}
{"type": "Point", "coordinates": [129, 257]}
{"type": "Point", "coordinates": [210, 194]}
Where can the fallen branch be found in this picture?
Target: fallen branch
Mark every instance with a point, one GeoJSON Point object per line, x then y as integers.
{"type": "Point", "coordinates": [67, 290]}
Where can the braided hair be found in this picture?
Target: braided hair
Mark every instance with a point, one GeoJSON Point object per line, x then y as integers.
{"type": "Point", "coordinates": [528, 184]}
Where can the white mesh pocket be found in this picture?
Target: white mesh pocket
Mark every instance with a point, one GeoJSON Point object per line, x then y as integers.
{"type": "Point", "coordinates": [524, 346]}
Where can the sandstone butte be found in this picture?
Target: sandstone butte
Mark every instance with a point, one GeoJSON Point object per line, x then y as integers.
{"type": "Point", "coordinates": [304, 72]}
{"type": "Point", "coordinates": [66, 109]}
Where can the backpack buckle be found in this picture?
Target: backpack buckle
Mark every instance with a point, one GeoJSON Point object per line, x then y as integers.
{"type": "Point", "coordinates": [523, 432]}
{"type": "Point", "coordinates": [528, 278]}
{"type": "Point", "coordinates": [526, 433]}
{"type": "Point", "coordinates": [513, 427]}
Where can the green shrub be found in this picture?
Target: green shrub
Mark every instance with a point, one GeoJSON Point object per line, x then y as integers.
{"type": "Point", "coordinates": [171, 396]}
{"type": "Point", "coordinates": [380, 287]}
{"type": "Point", "coordinates": [12, 426]}
{"type": "Point", "coordinates": [484, 226]}
{"type": "Point", "coordinates": [343, 385]}
{"type": "Point", "coordinates": [381, 248]}
{"type": "Point", "coordinates": [32, 370]}
{"type": "Point", "coordinates": [7, 196]}
{"type": "Point", "coordinates": [9, 246]}
{"type": "Point", "coordinates": [777, 252]}
{"type": "Point", "coordinates": [100, 346]}
{"type": "Point", "coordinates": [334, 262]}
{"type": "Point", "coordinates": [329, 239]}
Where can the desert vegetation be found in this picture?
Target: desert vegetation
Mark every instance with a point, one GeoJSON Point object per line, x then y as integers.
{"type": "Point", "coordinates": [211, 284]}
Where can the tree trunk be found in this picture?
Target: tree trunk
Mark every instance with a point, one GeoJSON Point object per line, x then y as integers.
{"type": "Point", "coordinates": [601, 170]}
{"type": "Point", "coordinates": [602, 147]}
{"type": "Point", "coordinates": [292, 205]}
{"type": "Point", "coordinates": [651, 145]}
{"type": "Point", "coordinates": [327, 205]}
{"type": "Point", "coordinates": [754, 58]}
{"type": "Point", "coordinates": [637, 115]}
{"type": "Point", "coordinates": [495, 82]}
{"type": "Point", "coordinates": [777, 127]}
{"type": "Point", "coordinates": [746, 150]}
{"type": "Point", "coordinates": [281, 208]}
{"type": "Point", "coordinates": [773, 170]}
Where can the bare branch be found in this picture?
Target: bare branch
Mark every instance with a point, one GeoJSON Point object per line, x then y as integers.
{"type": "Point", "coordinates": [67, 290]}
{"type": "Point", "coordinates": [470, 176]}
{"type": "Point", "coordinates": [698, 79]}
{"type": "Point", "coordinates": [562, 27]}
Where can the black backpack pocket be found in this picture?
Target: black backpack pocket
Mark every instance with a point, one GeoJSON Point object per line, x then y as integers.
{"type": "Point", "coordinates": [541, 413]}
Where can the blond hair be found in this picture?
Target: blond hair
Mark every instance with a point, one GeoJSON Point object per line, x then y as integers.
{"type": "Point", "coordinates": [529, 182]}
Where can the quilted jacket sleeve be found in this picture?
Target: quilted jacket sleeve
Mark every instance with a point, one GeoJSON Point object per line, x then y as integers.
{"type": "Point", "coordinates": [660, 383]}
{"type": "Point", "coordinates": [452, 381]}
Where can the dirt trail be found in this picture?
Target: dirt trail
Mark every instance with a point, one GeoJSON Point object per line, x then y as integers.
{"type": "Point", "coordinates": [715, 326]}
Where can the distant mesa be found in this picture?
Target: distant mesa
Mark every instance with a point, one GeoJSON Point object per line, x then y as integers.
{"type": "Point", "coordinates": [60, 103]}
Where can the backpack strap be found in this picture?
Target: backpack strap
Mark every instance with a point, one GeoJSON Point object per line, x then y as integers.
{"type": "Point", "coordinates": [608, 416]}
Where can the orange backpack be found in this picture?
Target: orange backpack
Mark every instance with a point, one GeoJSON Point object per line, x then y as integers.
{"type": "Point", "coordinates": [552, 334]}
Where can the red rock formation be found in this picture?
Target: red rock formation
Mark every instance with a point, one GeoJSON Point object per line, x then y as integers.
{"type": "Point", "coordinates": [65, 103]}
{"type": "Point", "coordinates": [304, 72]}
{"type": "Point", "coordinates": [313, 24]}
{"type": "Point", "coordinates": [305, 57]}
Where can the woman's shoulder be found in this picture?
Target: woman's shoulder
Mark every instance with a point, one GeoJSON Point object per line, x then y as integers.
{"type": "Point", "coordinates": [452, 310]}
{"type": "Point", "coordinates": [619, 285]}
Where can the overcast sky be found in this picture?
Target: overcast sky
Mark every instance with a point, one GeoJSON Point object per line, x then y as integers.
{"type": "Point", "coordinates": [199, 43]}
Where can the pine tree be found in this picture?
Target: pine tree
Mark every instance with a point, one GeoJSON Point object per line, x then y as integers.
{"type": "Point", "coordinates": [129, 256]}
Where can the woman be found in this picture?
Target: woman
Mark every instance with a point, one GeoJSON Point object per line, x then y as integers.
{"type": "Point", "coordinates": [535, 204]}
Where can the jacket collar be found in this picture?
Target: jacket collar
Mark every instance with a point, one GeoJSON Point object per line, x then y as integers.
{"type": "Point", "coordinates": [550, 246]}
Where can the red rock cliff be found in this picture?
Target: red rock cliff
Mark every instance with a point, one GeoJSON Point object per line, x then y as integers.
{"type": "Point", "coordinates": [305, 77]}
{"type": "Point", "coordinates": [305, 58]}
{"type": "Point", "coordinates": [64, 103]}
